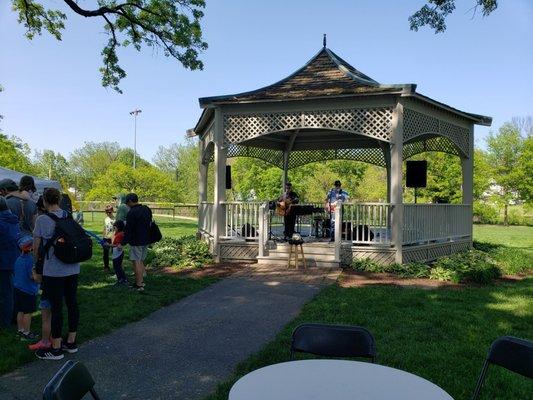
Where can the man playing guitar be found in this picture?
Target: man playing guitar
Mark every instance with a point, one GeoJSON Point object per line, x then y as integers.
{"type": "Point", "coordinates": [284, 208]}
{"type": "Point", "coordinates": [334, 196]}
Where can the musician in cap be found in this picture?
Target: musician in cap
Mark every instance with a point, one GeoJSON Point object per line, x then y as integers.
{"type": "Point", "coordinates": [288, 198]}
{"type": "Point", "coordinates": [335, 196]}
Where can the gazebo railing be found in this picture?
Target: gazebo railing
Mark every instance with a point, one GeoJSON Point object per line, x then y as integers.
{"type": "Point", "coordinates": [424, 223]}
{"type": "Point", "coordinates": [242, 220]}
{"type": "Point", "coordinates": [205, 217]}
{"type": "Point", "coordinates": [366, 223]}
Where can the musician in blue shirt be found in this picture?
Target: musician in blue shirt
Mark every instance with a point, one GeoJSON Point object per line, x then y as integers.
{"type": "Point", "coordinates": [335, 195]}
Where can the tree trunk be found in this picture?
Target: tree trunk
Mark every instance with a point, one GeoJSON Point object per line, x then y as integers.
{"type": "Point", "coordinates": [505, 215]}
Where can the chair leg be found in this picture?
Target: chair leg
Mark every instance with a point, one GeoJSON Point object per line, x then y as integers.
{"type": "Point", "coordinates": [290, 256]}
{"type": "Point", "coordinates": [481, 380]}
{"type": "Point", "coordinates": [94, 394]}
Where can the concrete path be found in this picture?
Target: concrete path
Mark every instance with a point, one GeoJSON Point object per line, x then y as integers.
{"type": "Point", "coordinates": [184, 350]}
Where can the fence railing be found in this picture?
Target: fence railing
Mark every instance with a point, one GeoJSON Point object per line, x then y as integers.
{"type": "Point", "coordinates": [364, 223]}
{"type": "Point", "coordinates": [205, 218]}
{"type": "Point", "coordinates": [436, 222]}
{"type": "Point", "coordinates": [242, 220]}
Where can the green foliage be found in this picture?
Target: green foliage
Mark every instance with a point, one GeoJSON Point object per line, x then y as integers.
{"type": "Point", "coordinates": [170, 25]}
{"type": "Point", "coordinates": [484, 213]}
{"type": "Point", "coordinates": [435, 12]}
{"type": "Point", "coordinates": [469, 266]}
{"type": "Point", "coordinates": [510, 260]}
{"type": "Point", "coordinates": [14, 154]}
{"type": "Point", "coordinates": [51, 165]}
{"type": "Point", "coordinates": [148, 182]}
{"type": "Point", "coordinates": [409, 270]}
{"type": "Point", "coordinates": [185, 252]}
{"type": "Point", "coordinates": [93, 160]}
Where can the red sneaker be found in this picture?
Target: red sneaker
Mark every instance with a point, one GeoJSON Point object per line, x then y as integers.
{"type": "Point", "coordinates": [39, 345]}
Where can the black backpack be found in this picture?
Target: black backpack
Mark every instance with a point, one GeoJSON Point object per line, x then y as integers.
{"type": "Point", "coordinates": [71, 243]}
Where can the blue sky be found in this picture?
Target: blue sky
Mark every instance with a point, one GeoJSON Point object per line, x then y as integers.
{"type": "Point", "coordinates": [53, 98]}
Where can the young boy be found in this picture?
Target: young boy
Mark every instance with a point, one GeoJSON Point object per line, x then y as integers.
{"type": "Point", "coordinates": [26, 290]}
{"type": "Point", "coordinates": [118, 253]}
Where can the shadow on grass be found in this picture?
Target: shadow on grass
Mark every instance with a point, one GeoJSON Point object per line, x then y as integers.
{"type": "Point", "coordinates": [104, 307]}
{"type": "Point", "coordinates": [442, 335]}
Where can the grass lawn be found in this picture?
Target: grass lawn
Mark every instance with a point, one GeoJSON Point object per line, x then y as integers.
{"type": "Point", "coordinates": [511, 236]}
{"type": "Point", "coordinates": [103, 307]}
{"type": "Point", "coordinates": [442, 335]}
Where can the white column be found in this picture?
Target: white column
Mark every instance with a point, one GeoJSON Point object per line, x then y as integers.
{"type": "Point", "coordinates": [385, 147]}
{"type": "Point", "coordinates": [219, 217]}
{"type": "Point", "coordinates": [396, 188]}
{"type": "Point", "coordinates": [467, 167]}
{"type": "Point", "coordinates": [202, 174]}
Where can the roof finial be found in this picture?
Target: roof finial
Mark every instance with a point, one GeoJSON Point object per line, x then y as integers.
{"type": "Point", "coordinates": [325, 40]}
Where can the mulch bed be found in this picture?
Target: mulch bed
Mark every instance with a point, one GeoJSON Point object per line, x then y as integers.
{"type": "Point", "coordinates": [351, 278]}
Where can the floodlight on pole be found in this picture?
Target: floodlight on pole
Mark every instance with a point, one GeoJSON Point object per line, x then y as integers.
{"type": "Point", "coordinates": [135, 113]}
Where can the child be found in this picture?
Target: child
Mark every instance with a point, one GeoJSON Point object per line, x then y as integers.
{"type": "Point", "coordinates": [26, 290]}
{"type": "Point", "coordinates": [107, 233]}
{"type": "Point", "coordinates": [118, 253]}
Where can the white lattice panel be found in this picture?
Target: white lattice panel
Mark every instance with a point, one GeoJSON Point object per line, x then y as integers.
{"type": "Point", "coordinates": [274, 157]}
{"type": "Point", "coordinates": [420, 125]}
{"type": "Point", "coordinates": [373, 122]}
{"type": "Point", "coordinates": [237, 252]}
{"type": "Point", "coordinates": [369, 155]}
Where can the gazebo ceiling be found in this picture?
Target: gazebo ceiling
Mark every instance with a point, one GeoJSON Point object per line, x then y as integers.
{"type": "Point", "coordinates": [312, 139]}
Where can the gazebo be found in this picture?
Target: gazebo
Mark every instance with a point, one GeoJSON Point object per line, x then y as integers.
{"type": "Point", "coordinates": [328, 110]}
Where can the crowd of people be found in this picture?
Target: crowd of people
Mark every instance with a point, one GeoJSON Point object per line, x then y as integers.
{"type": "Point", "coordinates": [35, 263]}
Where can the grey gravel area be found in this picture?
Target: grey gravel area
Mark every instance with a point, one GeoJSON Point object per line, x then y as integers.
{"type": "Point", "coordinates": [184, 350]}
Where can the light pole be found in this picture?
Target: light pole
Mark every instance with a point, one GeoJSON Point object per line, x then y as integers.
{"type": "Point", "coordinates": [135, 113]}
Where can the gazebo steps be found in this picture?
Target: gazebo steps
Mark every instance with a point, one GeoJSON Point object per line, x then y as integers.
{"type": "Point", "coordinates": [310, 261]}
{"type": "Point", "coordinates": [317, 254]}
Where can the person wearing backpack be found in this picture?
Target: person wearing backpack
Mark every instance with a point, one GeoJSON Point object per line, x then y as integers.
{"type": "Point", "coordinates": [64, 245]}
{"type": "Point", "coordinates": [20, 205]}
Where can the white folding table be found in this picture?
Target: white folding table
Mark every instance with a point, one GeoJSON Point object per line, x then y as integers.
{"type": "Point", "coordinates": [333, 380]}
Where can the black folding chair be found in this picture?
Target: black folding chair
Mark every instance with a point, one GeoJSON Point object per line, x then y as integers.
{"type": "Point", "coordinates": [511, 353]}
{"type": "Point", "coordinates": [71, 382]}
{"type": "Point", "coordinates": [333, 341]}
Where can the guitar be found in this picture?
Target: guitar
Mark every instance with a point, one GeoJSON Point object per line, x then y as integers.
{"type": "Point", "coordinates": [283, 207]}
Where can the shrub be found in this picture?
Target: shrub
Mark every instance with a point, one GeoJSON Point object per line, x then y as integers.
{"type": "Point", "coordinates": [184, 252]}
{"type": "Point", "coordinates": [485, 213]}
{"type": "Point", "coordinates": [509, 260]}
{"type": "Point", "coordinates": [410, 270]}
{"type": "Point", "coordinates": [469, 266]}
{"type": "Point", "coordinates": [366, 264]}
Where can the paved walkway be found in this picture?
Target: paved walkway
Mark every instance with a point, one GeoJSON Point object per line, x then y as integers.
{"type": "Point", "coordinates": [184, 350]}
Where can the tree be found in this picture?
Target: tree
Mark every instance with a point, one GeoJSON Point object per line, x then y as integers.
{"type": "Point", "coordinates": [14, 154]}
{"type": "Point", "coordinates": [170, 25]}
{"type": "Point", "coordinates": [94, 159]}
{"type": "Point", "coordinates": [51, 165]}
{"type": "Point", "coordinates": [504, 154]}
{"type": "Point", "coordinates": [148, 182]}
{"type": "Point", "coordinates": [435, 12]}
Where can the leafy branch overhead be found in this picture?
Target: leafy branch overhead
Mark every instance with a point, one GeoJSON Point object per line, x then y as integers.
{"type": "Point", "coordinates": [434, 13]}
{"type": "Point", "coordinates": [170, 25]}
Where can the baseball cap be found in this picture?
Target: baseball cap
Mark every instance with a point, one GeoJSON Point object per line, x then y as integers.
{"type": "Point", "coordinates": [25, 242]}
{"type": "Point", "coordinates": [8, 184]}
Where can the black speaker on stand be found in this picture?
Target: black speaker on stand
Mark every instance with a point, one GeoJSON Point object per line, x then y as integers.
{"type": "Point", "coordinates": [228, 176]}
{"type": "Point", "coordinates": [416, 175]}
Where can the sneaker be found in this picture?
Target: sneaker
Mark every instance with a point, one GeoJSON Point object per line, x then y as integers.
{"type": "Point", "coordinates": [39, 345]}
{"type": "Point", "coordinates": [69, 347]}
{"type": "Point", "coordinates": [137, 288]}
{"type": "Point", "coordinates": [28, 337]}
{"type": "Point", "coordinates": [49, 354]}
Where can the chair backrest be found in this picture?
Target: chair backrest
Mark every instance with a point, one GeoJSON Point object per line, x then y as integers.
{"type": "Point", "coordinates": [514, 354]}
{"type": "Point", "coordinates": [71, 382]}
{"type": "Point", "coordinates": [333, 341]}
{"type": "Point", "coordinates": [511, 353]}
